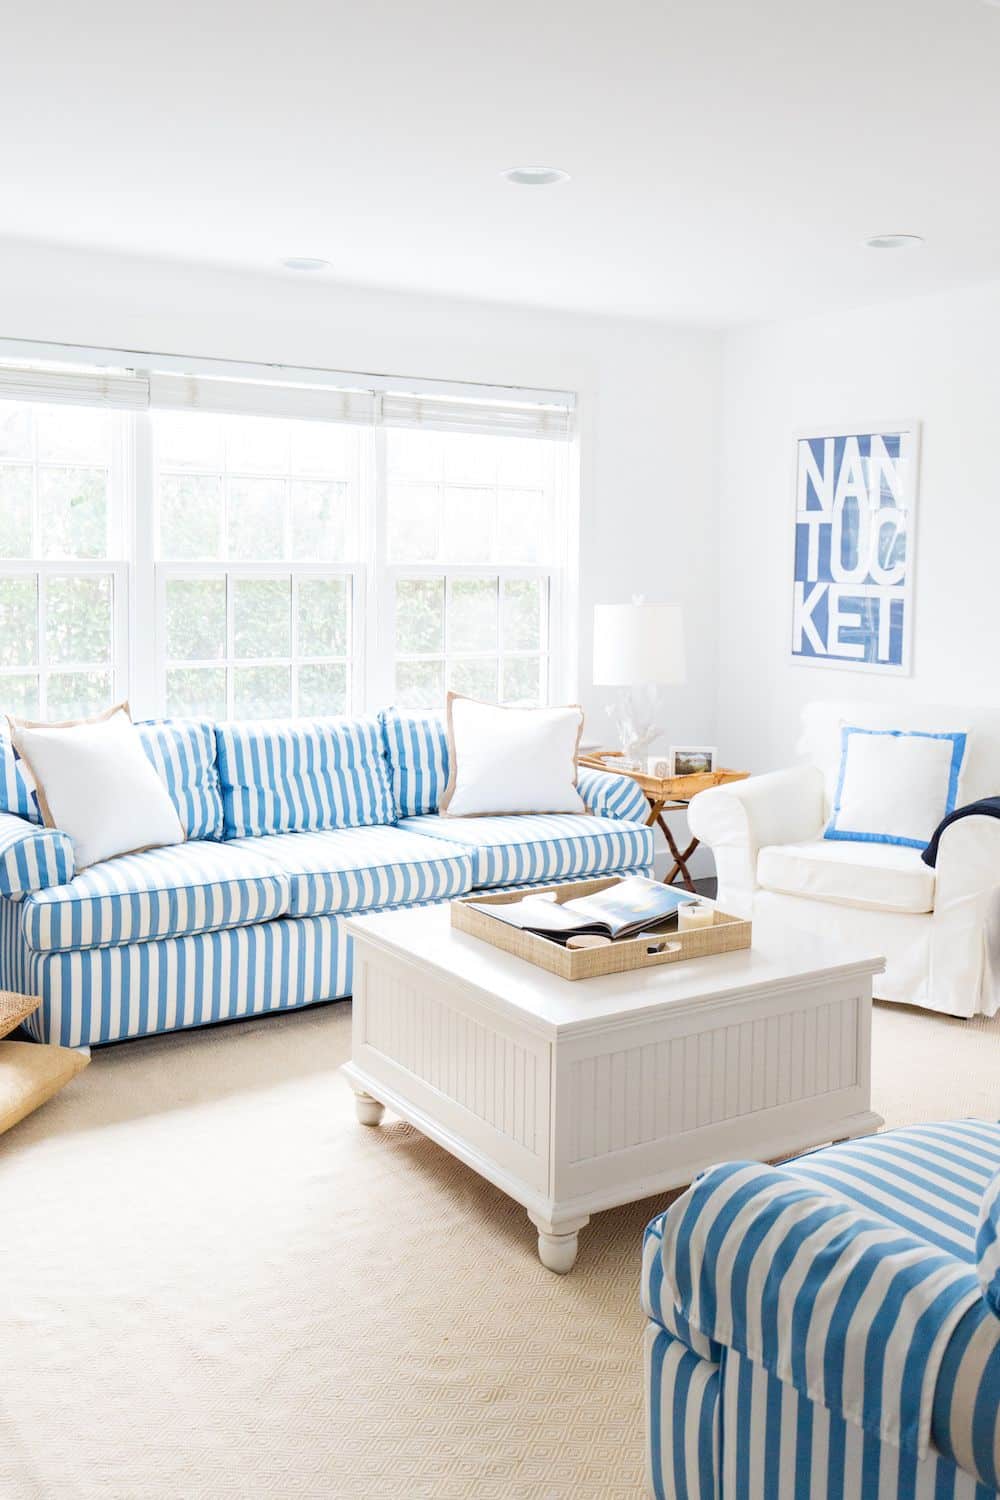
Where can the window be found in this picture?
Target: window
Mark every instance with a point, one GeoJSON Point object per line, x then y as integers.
{"type": "Point", "coordinates": [62, 572]}
{"type": "Point", "coordinates": [256, 563]}
{"type": "Point", "coordinates": [238, 547]}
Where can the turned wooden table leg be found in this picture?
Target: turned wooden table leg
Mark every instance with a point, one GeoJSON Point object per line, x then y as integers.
{"type": "Point", "coordinates": [558, 1241]}
{"type": "Point", "coordinates": [369, 1111]}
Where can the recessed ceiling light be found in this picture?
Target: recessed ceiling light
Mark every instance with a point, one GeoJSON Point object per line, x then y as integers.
{"type": "Point", "coordinates": [304, 263]}
{"type": "Point", "coordinates": [535, 176]}
{"type": "Point", "coordinates": [894, 241]}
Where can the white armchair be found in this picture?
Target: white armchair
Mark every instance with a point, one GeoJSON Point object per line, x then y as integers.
{"type": "Point", "coordinates": [939, 929]}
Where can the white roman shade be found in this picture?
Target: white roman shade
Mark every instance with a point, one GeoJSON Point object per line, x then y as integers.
{"type": "Point", "coordinates": [121, 389]}
{"type": "Point", "coordinates": [552, 419]}
{"type": "Point", "coordinates": [258, 398]}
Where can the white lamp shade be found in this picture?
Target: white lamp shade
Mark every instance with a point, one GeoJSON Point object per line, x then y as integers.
{"type": "Point", "coordinates": [635, 643]}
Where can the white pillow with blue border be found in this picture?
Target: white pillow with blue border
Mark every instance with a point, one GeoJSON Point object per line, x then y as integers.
{"type": "Point", "coordinates": [895, 785]}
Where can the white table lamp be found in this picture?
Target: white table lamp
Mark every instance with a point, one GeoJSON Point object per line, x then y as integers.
{"type": "Point", "coordinates": [637, 648]}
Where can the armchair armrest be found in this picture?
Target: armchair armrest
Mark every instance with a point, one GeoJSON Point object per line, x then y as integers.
{"type": "Point", "coordinates": [32, 858]}
{"type": "Point", "coordinates": [611, 796]}
{"type": "Point", "coordinates": [845, 1307]}
{"type": "Point", "coordinates": [738, 820]}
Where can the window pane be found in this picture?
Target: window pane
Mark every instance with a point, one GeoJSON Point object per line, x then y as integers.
{"type": "Point", "coordinates": [262, 692]}
{"type": "Point", "coordinates": [522, 462]}
{"type": "Point", "coordinates": [322, 617]}
{"type": "Point", "coordinates": [73, 512]}
{"type": "Point", "coordinates": [257, 518]}
{"type": "Point", "coordinates": [323, 688]}
{"type": "Point", "coordinates": [198, 692]}
{"type": "Point", "coordinates": [420, 684]}
{"type": "Point", "coordinates": [415, 455]}
{"type": "Point", "coordinates": [419, 615]}
{"type": "Point", "coordinates": [257, 444]}
{"type": "Point", "coordinates": [325, 448]}
{"type": "Point", "coordinates": [319, 520]}
{"type": "Point", "coordinates": [523, 529]}
{"type": "Point", "coordinates": [73, 434]}
{"type": "Point", "coordinates": [522, 614]}
{"type": "Point", "coordinates": [78, 620]}
{"type": "Point", "coordinates": [522, 680]}
{"type": "Point", "coordinates": [18, 622]}
{"type": "Point", "coordinates": [472, 614]}
{"type": "Point", "coordinates": [414, 522]}
{"type": "Point", "coordinates": [15, 429]}
{"type": "Point", "coordinates": [19, 695]}
{"type": "Point", "coordinates": [191, 516]}
{"type": "Point", "coordinates": [262, 617]}
{"type": "Point", "coordinates": [76, 695]}
{"type": "Point", "coordinates": [189, 440]}
{"type": "Point", "coordinates": [471, 458]}
{"type": "Point", "coordinates": [196, 619]}
{"type": "Point", "coordinates": [467, 535]}
{"type": "Point", "coordinates": [477, 678]}
{"type": "Point", "coordinates": [15, 510]}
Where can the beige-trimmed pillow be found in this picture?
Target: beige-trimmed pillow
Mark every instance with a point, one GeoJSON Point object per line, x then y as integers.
{"type": "Point", "coordinates": [30, 1073]}
{"type": "Point", "coordinates": [94, 781]}
{"type": "Point", "coordinates": [511, 760]}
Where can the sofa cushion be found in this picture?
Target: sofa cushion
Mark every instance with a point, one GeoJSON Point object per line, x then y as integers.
{"type": "Point", "coordinates": [182, 752]}
{"type": "Point", "coordinates": [881, 877]}
{"type": "Point", "coordinates": [294, 775]}
{"type": "Point", "coordinates": [416, 747]}
{"type": "Point", "coordinates": [352, 869]}
{"type": "Point", "coordinates": [192, 887]}
{"type": "Point", "coordinates": [541, 846]}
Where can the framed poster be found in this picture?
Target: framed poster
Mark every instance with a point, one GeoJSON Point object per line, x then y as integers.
{"type": "Point", "coordinates": [855, 493]}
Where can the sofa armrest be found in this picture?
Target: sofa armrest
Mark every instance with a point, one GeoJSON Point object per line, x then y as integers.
{"type": "Point", "coordinates": [848, 1309]}
{"type": "Point", "coordinates": [738, 820]}
{"type": "Point", "coordinates": [965, 934]}
{"type": "Point", "coordinates": [611, 796]}
{"type": "Point", "coordinates": [32, 858]}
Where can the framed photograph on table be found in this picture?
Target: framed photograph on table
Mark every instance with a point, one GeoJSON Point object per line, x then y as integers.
{"type": "Point", "coordinates": [691, 760]}
{"type": "Point", "coordinates": [855, 497]}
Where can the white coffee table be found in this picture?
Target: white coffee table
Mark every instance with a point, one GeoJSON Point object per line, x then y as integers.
{"type": "Point", "coordinates": [575, 1097]}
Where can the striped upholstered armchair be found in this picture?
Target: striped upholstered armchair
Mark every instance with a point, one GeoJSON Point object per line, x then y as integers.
{"type": "Point", "coordinates": [830, 1327]}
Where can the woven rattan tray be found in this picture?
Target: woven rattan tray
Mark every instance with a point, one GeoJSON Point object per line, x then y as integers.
{"type": "Point", "coordinates": [15, 1008]}
{"type": "Point", "coordinates": [726, 935]}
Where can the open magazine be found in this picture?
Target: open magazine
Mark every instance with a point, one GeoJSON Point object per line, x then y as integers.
{"type": "Point", "coordinates": [633, 905]}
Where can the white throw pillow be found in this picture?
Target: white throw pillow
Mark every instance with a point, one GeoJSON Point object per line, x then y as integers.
{"type": "Point", "coordinates": [94, 781]}
{"type": "Point", "coordinates": [511, 760]}
{"type": "Point", "coordinates": [895, 785]}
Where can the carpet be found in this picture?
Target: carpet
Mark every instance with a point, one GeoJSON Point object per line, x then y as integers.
{"type": "Point", "coordinates": [215, 1283]}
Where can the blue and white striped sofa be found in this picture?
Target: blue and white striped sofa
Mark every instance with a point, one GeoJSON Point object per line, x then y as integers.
{"type": "Point", "coordinates": [830, 1329]}
{"type": "Point", "coordinates": [290, 827]}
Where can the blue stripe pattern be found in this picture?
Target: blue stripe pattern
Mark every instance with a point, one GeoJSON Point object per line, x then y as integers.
{"type": "Point", "coordinates": [181, 751]}
{"type": "Point", "coordinates": [511, 850]}
{"type": "Point", "coordinates": [610, 796]}
{"type": "Point", "coordinates": [284, 776]}
{"type": "Point", "coordinates": [988, 1245]}
{"type": "Point", "coordinates": [838, 1295]}
{"type": "Point", "coordinates": [682, 1420]}
{"type": "Point", "coordinates": [32, 858]}
{"type": "Point", "coordinates": [416, 746]}
{"type": "Point", "coordinates": [356, 869]}
{"type": "Point", "coordinates": [192, 887]}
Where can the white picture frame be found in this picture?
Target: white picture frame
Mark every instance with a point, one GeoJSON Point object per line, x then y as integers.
{"type": "Point", "coordinates": [853, 611]}
{"type": "Point", "coordinates": [692, 760]}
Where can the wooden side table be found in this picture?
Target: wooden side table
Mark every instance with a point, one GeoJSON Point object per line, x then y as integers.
{"type": "Point", "coordinates": [666, 794]}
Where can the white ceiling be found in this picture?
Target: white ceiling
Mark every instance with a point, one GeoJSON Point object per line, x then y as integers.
{"type": "Point", "coordinates": [728, 157]}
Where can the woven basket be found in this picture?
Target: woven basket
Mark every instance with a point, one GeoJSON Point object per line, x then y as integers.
{"type": "Point", "coordinates": [14, 1009]}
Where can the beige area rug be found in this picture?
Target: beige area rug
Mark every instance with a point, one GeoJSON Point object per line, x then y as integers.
{"type": "Point", "coordinates": [215, 1283]}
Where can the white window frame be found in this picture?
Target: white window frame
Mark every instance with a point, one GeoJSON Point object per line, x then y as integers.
{"type": "Point", "coordinates": [139, 657]}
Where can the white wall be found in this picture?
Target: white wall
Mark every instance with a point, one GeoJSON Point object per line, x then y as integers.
{"type": "Point", "coordinates": [936, 359]}
{"type": "Point", "coordinates": [650, 398]}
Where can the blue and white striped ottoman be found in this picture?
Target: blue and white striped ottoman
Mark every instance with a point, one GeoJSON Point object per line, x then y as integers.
{"type": "Point", "coordinates": [830, 1329]}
